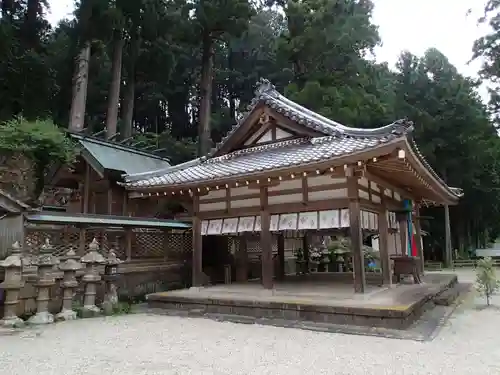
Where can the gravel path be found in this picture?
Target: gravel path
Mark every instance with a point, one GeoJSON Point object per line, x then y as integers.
{"type": "Point", "coordinates": [150, 344]}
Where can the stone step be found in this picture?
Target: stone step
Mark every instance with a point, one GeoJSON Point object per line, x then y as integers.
{"type": "Point", "coordinates": [450, 295]}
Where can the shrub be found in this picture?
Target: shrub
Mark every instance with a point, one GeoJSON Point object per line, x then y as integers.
{"type": "Point", "coordinates": [486, 279]}
{"type": "Point", "coordinates": [41, 141]}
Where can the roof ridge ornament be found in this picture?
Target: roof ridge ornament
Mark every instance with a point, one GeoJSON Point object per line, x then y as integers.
{"type": "Point", "coordinates": [402, 126]}
{"type": "Point", "coordinates": [264, 86]}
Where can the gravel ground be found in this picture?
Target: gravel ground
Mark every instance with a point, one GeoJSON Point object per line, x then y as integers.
{"type": "Point", "coordinates": [151, 344]}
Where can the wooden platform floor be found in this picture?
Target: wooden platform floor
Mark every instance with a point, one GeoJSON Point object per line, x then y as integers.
{"type": "Point", "coordinates": [323, 301]}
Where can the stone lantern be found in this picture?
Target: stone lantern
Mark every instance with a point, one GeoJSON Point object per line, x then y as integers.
{"type": "Point", "coordinates": [69, 267]}
{"type": "Point", "coordinates": [45, 262]}
{"type": "Point", "coordinates": [110, 277]}
{"type": "Point", "coordinates": [93, 259]}
{"type": "Point", "coordinates": [12, 285]}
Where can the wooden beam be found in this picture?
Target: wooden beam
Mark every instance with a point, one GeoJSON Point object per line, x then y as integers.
{"type": "Point", "coordinates": [265, 241]}
{"type": "Point", "coordinates": [356, 234]}
{"type": "Point", "coordinates": [327, 204]}
{"type": "Point", "coordinates": [383, 229]}
{"type": "Point", "coordinates": [242, 260]}
{"type": "Point", "coordinates": [448, 259]}
{"type": "Point", "coordinates": [86, 189]}
{"type": "Point", "coordinates": [305, 191]}
{"type": "Point", "coordinates": [128, 243]}
{"type": "Point", "coordinates": [110, 200]}
{"type": "Point", "coordinates": [197, 244]}
{"type": "Point", "coordinates": [227, 200]}
{"type": "Point", "coordinates": [387, 185]}
{"type": "Point", "coordinates": [281, 256]}
{"type": "Point", "coordinates": [418, 237]}
{"type": "Point", "coordinates": [276, 193]}
{"type": "Point", "coordinates": [125, 211]}
{"type": "Point", "coordinates": [403, 231]}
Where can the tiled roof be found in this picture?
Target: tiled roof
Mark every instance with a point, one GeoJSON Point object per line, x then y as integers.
{"type": "Point", "coordinates": [266, 93]}
{"type": "Point", "coordinates": [112, 156]}
{"type": "Point", "coordinates": [260, 158]}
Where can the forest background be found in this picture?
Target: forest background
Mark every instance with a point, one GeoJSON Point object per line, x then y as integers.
{"type": "Point", "coordinates": [177, 74]}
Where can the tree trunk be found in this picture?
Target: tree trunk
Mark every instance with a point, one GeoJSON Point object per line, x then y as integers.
{"type": "Point", "coordinates": [80, 82]}
{"type": "Point", "coordinates": [114, 87]}
{"type": "Point", "coordinates": [232, 94]}
{"type": "Point", "coordinates": [129, 95]}
{"type": "Point", "coordinates": [206, 96]}
{"type": "Point", "coordinates": [31, 19]}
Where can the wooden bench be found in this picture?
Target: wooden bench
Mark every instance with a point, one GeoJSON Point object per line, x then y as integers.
{"type": "Point", "coordinates": [458, 263]}
{"type": "Point", "coordinates": [433, 266]}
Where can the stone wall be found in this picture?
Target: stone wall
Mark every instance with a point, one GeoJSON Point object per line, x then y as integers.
{"type": "Point", "coordinates": [17, 176]}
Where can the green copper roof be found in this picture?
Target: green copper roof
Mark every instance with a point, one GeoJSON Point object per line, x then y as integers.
{"type": "Point", "coordinates": [103, 220]}
{"type": "Point", "coordinates": [106, 155]}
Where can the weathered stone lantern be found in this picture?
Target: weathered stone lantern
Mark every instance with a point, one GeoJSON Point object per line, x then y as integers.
{"type": "Point", "coordinates": [12, 285]}
{"type": "Point", "coordinates": [45, 262]}
{"type": "Point", "coordinates": [93, 259]}
{"type": "Point", "coordinates": [69, 267]}
{"type": "Point", "coordinates": [110, 277]}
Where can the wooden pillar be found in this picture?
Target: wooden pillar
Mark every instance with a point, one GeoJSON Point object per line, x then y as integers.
{"type": "Point", "coordinates": [305, 252]}
{"type": "Point", "coordinates": [110, 199]}
{"type": "Point", "coordinates": [383, 239]}
{"type": "Point", "coordinates": [355, 232]}
{"type": "Point", "coordinates": [197, 244]}
{"type": "Point", "coordinates": [128, 243]}
{"type": "Point", "coordinates": [242, 261]}
{"type": "Point", "coordinates": [418, 238]}
{"type": "Point", "coordinates": [266, 241]}
{"type": "Point", "coordinates": [86, 190]}
{"type": "Point", "coordinates": [448, 260]}
{"type": "Point", "coordinates": [125, 211]}
{"type": "Point", "coordinates": [403, 231]}
{"type": "Point", "coordinates": [281, 257]}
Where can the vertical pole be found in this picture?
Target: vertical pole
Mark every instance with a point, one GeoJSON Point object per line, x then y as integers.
{"type": "Point", "coordinates": [86, 189]}
{"type": "Point", "coordinates": [265, 241]}
{"type": "Point", "coordinates": [281, 257]}
{"type": "Point", "coordinates": [418, 238]}
{"type": "Point", "coordinates": [110, 199]}
{"type": "Point", "coordinates": [242, 261]}
{"type": "Point", "coordinates": [355, 232]}
{"type": "Point", "coordinates": [383, 229]}
{"type": "Point", "coordinates": [197, 244]}
{"type": "Point", "coordinates": [305, 248]}
{"type": "Point", "coordinates": [447, 230]}
{"type": "Point", "coordinates": [128, 243]}
{"type": "Point", "coordinates": [403, 232]}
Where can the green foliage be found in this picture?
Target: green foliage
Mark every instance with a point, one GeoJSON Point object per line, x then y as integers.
{"type": "Point", "coordinates": [39, 140]}
{"type": "Point", "coordinates": [486, 280]}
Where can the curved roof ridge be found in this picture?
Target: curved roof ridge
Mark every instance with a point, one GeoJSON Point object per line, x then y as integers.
{"type": "Point", "coordinates": [266, 93]}
{"type": "Point", "coordinates": [267, 89]}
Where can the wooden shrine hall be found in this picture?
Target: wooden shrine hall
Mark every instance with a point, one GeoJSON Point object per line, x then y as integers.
{"type": "Point", "coordinates": [283, 167]}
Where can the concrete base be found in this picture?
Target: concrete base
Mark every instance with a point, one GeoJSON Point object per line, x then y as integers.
{"type": "Point", "coordinates": [66, 315]}
{"type": "Point", "coordinates": [90, 311]}
{"type": "Point", "coordinates": [321, 301]}
{"type": "Point", "coordinates": [12, 322]}
{"type": "Point", "coordinates": [41, 318]}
